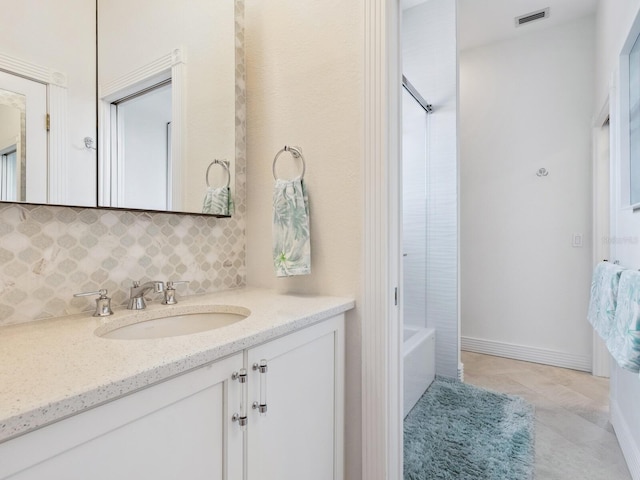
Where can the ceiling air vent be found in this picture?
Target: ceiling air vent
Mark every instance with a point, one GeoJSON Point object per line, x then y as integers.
{"type": "Point", "coordinates": [532, 17]}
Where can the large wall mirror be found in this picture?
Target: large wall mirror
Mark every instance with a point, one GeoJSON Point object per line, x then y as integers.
{"type": "Point", "coordinates": [162, 86]}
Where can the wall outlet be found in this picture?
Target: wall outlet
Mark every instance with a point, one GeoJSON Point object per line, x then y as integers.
{"type": "Point", "coordinates": [577, 240]}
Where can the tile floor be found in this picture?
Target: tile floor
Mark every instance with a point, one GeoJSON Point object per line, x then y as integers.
{"type": "Point", "coordinates": [574, 439]}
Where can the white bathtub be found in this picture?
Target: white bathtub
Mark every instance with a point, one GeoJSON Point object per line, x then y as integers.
{"type": "Point", "coordinates": [419, 349]}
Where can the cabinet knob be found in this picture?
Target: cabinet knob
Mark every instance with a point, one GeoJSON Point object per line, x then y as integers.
{"type": "Point", "coordinates": [241, 376]}
{"type": "Point", "coordinates": [261, 408]}
{"type": "Point", "coordinates": [262, 366]}
{"type": "Point", "coordinates": [242, 421]}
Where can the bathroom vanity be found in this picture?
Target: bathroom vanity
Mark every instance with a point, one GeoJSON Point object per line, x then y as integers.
{"type": "Point", "coordinates": [260, 398]}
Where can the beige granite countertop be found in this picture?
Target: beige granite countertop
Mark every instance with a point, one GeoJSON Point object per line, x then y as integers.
{"type": "Point", "coordinates": [55, 368]}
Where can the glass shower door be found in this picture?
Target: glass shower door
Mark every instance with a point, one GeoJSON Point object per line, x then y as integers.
{"type": "Point", "coordinates": [414, 217]}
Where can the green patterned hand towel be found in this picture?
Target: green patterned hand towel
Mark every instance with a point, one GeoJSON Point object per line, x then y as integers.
{"type": "Point", "coordinates": [624, 338]}
{"type": "Point", "coordinates": [291, 240]}
{"type": "Point", "coordinates": [217, 201]}
{"type": "Point", "coordinates": [604, 294]}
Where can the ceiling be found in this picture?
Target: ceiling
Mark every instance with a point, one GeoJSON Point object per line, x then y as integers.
{"type": "Point", "coordinates": [485, 21]}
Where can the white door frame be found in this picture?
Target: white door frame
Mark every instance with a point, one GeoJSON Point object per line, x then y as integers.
{"type": "Point", "coordinates": [381, 327]}
{"type": "Point", "coordinates": [601, 230]}
{"type": "Point", "coordinates": [57, 163]}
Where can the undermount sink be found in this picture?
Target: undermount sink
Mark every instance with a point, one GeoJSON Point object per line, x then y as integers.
{"type": "Point", "coordinates": [176, 324]}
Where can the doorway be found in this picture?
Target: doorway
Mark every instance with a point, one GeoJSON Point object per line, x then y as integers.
{"type": "Point", "coordinates": [140, 148]}
{"type": "Point", "coordinates": [601, 225]}
{"type": "Point", "coordinates": [526, 207]}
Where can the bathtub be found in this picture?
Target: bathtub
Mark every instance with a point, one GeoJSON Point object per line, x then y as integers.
{"type": "Point", "coordinates": [418, 351]}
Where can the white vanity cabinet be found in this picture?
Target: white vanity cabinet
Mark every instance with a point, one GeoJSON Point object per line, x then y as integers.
{"type": "Point", "coordinates": [300, 435]}
{"type": "Point", "coordinates": [180, 428]}
{"type": "Point", "coordinates": [183, 427]}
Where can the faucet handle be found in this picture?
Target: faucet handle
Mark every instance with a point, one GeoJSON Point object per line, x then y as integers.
{"type": "Point", "coordinates": [102, 292]}
{"type": "Point", "coordinates": [170, 292]}
{"type": "Point", "coordinates": [103, 302]}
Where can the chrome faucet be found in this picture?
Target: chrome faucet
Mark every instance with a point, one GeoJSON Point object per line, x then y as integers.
{"type": "Point", "coordinates": [136, 297]}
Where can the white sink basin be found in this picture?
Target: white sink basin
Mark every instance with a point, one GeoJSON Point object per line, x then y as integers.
{"type": "Point", "coordinates": [175, 325]}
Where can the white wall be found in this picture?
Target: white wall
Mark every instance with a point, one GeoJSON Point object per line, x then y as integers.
{"type": "Point", "coordinates": [61, 36]}
{"type": "Point", "coordinates": [613, 24]}
{"type": "Point", "coordinates": [305, 78]}
{"type": "Point", "coordinates": [526, 104]}
{"type": "Point", "coordinates": [430, 63]}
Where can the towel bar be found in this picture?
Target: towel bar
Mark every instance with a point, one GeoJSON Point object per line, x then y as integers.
{"type": "Point", "coordinates": [225, 165]}
{"type": "Point", "coordinates": [296, 152]}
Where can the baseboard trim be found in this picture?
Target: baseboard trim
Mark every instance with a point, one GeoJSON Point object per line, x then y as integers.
{"type": "Point", "coordinates": [630, 450]}
{"type": "Point", "coordinates": [528, 354]}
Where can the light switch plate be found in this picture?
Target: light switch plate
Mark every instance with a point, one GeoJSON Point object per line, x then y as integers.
{"type": "Point", "coordinates": [577, 240]}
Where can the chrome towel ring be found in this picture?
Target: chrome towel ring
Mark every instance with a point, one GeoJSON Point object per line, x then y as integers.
{"type": "Point", "coordinates": [224, 165]}
{"type": "Point", "coordinates": [296, 152]}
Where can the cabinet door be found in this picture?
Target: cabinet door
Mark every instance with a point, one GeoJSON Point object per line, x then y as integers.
{"type": "Point", "coordinates": [180, 428]}
{"type": "Point", "coordinates": [300, 436]}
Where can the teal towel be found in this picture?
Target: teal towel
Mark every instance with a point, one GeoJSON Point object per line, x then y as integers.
{"type": "Point", "coordinates": [604, 290]}
{"type": "Point", "coordinates": [217, 201]}
{"type": "Point", "coordinates": [291, 239]}
{"type": "Point", "coordinates": [624, 338]}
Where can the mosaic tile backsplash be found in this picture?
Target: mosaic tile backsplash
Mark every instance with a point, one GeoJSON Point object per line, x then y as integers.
{"type": "Point", "coordinates": [49, 253]}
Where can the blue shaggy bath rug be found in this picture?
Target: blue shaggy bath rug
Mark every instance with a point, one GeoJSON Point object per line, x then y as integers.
{"type": "Point", "coordinates": [458, 431]}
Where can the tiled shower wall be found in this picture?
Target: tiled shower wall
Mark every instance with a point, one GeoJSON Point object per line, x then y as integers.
{"type": "Point", "coordinates": [49, 253]}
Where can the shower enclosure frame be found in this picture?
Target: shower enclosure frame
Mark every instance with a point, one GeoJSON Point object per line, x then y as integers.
{"type": "Point", "coordinates": [418, 347]}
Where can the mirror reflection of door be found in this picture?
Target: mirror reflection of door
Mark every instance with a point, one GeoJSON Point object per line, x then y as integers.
{"type": "Point", "coordinates": [9, 175]}
{"type": "Point", "coordinates": [23, 140]}
{"type": "Point", "coordinates": [11, 171]}
{"type": "Point", "coordinates": [141, 149]}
